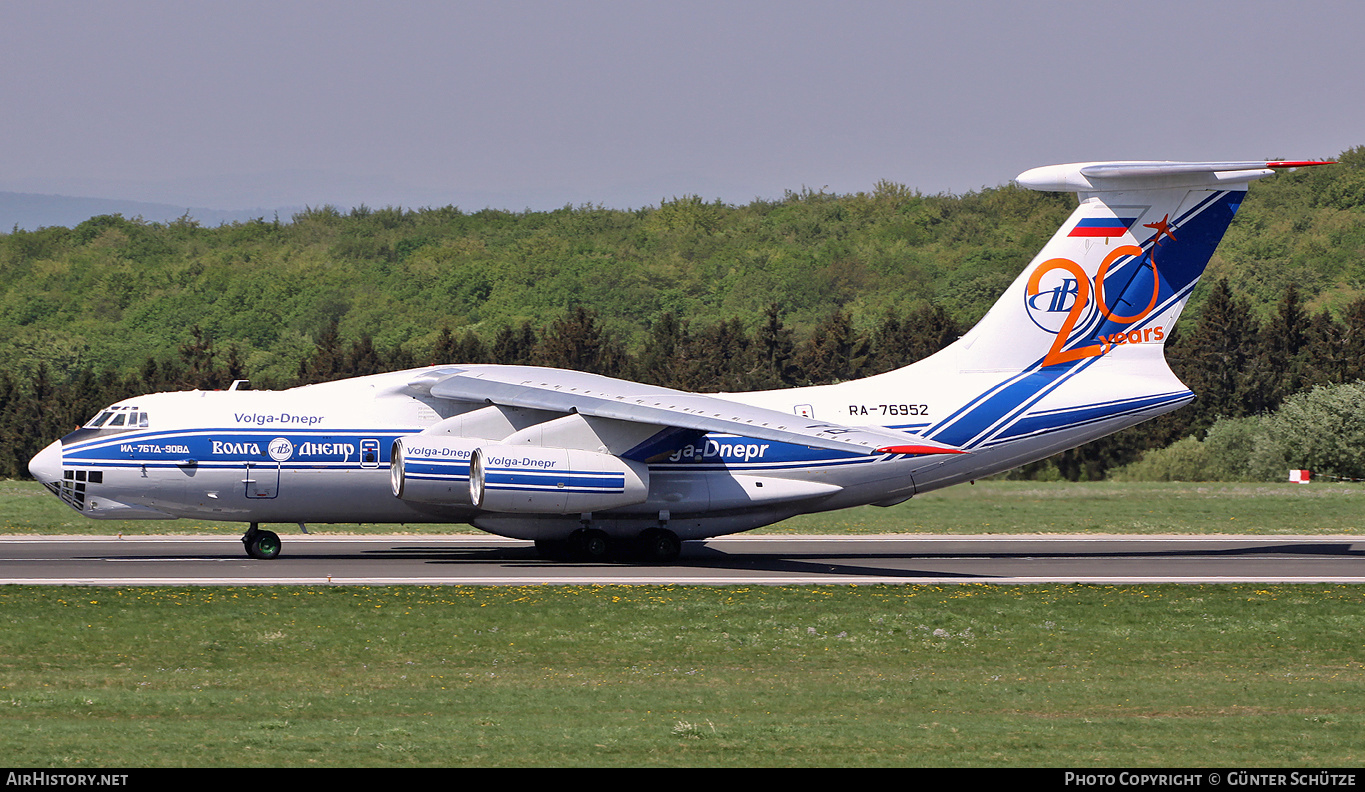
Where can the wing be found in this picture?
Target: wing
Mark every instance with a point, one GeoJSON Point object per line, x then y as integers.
{"type": "Point", "coordinates": [606, 397]}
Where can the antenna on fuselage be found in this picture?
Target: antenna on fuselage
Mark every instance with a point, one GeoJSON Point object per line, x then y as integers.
{"type": "Point", "coordinates": [240, 385]}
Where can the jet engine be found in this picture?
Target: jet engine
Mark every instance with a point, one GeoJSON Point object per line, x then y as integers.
{"type": "Point", "coordinates": [432, 468]}
{"type": "Point", "coordinates": [531, 479]}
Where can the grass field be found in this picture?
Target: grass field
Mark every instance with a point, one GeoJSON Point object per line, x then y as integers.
{"type": "Point", "coordinates": [985, 507]}
{"type": "Point", "coordinates": [1174, 676]}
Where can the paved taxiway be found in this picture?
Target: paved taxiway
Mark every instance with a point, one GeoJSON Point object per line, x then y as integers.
{"type": "Point", "coordinates": [749, 560]}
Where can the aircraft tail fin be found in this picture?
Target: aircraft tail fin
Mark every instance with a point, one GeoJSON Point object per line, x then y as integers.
{"type": "Point", "coordinates": [1121, 267]}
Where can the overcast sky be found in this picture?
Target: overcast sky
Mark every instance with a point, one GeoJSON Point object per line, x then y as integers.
{"type": "Point", "coordinates": [539, 104]}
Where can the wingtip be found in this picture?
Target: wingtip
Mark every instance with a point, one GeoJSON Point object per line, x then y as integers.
{"type": "Point", "coordinates": [1298, 164]}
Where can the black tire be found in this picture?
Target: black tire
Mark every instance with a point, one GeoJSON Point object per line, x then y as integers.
{"type": "Point", "coordinates": [263, 545]}
{"type": "Point", "coordinates": [660, 545]}
{"type": "Point", "coordinates": [593, 545]}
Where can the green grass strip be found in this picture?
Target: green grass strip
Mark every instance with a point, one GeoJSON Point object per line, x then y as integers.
{"type": "Point", "coordinates": [1127, 676]}
{"type": "Point", "coordinates": [994, 507]}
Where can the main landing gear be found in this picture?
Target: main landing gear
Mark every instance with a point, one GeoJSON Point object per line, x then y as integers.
{"type": "Point", "coordinates": [264, 545]}
{"type": "Point", "coordinates": [660, 545]}
{"type": "Point", "coordinates": [654, 545]}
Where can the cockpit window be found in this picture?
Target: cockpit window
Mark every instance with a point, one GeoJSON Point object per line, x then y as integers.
{"type": "Point", "coordinates": [123, 416]}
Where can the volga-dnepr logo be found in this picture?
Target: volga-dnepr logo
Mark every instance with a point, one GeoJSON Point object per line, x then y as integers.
{"type": "Point", "coordinates": [280, 449]}
{"type": "Point", "coordinates": [1057, 292]}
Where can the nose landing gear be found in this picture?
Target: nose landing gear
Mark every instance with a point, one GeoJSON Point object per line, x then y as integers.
{"type": "Point", "coordinates": [264, 545]}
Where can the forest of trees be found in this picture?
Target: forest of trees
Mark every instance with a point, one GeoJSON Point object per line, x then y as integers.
{"type": "Point", "coordinates": [1238, 364]}
{"type": "Point", "coordinates": [810, 289]}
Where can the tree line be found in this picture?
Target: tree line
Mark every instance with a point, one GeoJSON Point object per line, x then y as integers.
{"type": "Point", "coordinates": [112, 290]}
{"type": "Point", "coordinates": [1237, 364]}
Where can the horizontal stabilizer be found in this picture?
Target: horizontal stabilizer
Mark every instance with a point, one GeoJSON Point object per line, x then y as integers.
{"type": "Point", "coordinates": [1114, 176]}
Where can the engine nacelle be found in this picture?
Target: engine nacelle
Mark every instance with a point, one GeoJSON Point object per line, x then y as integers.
{"type": "Point", "coordinates": [526, 479]}
{"type": "Point", "coordinates": [432, 468]}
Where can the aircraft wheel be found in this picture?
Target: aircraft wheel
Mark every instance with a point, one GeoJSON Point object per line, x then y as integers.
{"type": "Point", "coordinates": [264, 545]}
{"type": "Point", "coordinates": [594, 545]}
{"type": "Point", "coordinates": [660, 545]}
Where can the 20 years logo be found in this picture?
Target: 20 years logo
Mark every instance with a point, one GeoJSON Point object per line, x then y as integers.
{"type": "Point", "coordinates": [1058, 298]}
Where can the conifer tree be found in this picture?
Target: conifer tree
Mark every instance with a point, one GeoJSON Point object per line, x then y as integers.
{"type": "Point", "coordinates": [834, 352]}
{"type": "Point", "coordinates": [328, 362]}
{"type": "Point", "coordinates": [773, 352]}
{"type": "Point", "coordinates": [466, 349]}
{"type": "Point", "coordinates": [514, 346]}
{"type": "Point", "coordinates": [899, 342]}
{"type": "Point", "coordinates": [577, 341]}
{"type": "Point", "coordinates": [363, 359]}
{"type": "Point", "coordinates": [660, 358]}
{"type": "Point", "coordinates": [717, 359]}
{"type": "Point", "coordinates": [1352, 340]}
{"type": "Point", "coordinates": [197, 356]}
{"type": "Point", "coordinates": [1282, 366]}
{"type": "Point", "coordinates": [1214, 358]}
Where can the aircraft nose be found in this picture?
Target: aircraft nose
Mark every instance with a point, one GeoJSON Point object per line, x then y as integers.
{"type": "Point", "coordinates": [46, 465]}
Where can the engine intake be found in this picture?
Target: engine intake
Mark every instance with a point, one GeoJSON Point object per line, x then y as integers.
{"type": "Point", "coordinates": [432, 468]}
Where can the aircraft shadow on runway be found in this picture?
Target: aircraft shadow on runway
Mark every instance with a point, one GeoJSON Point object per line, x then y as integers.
{"type": "Point", "coordinates": [699, 555]}
{"type": "Point", "coordinates": [694, 556]}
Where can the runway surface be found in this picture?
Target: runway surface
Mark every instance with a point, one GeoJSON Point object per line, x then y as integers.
{"type": "Point", "coordinates": [741, 560]}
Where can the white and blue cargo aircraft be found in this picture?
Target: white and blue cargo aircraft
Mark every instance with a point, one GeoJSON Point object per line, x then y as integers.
{"type": "Point", "coordinates": [581, 463]}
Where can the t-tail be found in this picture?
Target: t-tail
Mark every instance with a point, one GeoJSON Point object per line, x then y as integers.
{"type": "Point", "coordinates": [1074, 349]}
{"type": "Point", "coordinates": [1122, 267]}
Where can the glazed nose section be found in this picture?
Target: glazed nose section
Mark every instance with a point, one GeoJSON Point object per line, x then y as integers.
{"type": "Point", "coordinates": [46, 465]}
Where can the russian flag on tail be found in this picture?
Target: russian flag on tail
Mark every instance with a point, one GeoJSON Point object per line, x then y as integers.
{"type": "Point", "coordinates": [1106, 227]}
